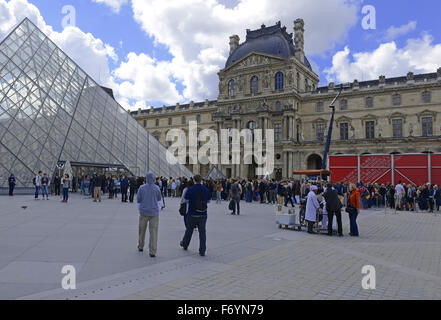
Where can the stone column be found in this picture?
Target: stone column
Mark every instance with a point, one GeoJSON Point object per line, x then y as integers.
{"type": "Point", "coordinates": [284, 128]}
{"type": "Point", "coordinates": [290, 164]}
{"type": "Point", "coordinates": [294, 129]}
{"type": "Point", "coordinates": [284, 168]}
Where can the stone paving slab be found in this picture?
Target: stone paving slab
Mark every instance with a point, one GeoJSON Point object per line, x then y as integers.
{"type": "Point", "coordinates": [248, 257]}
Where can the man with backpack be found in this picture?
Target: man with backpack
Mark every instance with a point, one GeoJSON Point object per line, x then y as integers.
{"type": "Point", "coordinates": [198, 197]}
{"type": "Point", "coordinates": [333, 207]}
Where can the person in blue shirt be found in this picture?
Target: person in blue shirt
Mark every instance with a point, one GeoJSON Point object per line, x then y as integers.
{"type": "Point", "coordinates": [198, 197]}
{"type": "Point", "coordinates": [124, 188]}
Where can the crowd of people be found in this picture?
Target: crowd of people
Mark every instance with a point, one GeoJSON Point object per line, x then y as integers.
{"type": "Point", "coordinates": [322, 200]}
{"type": "Point", "coordinates": [423, 198]}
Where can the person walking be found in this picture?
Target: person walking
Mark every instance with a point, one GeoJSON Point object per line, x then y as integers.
{"type": "Point", "coordinates": [149, 200]}
{"type": "Point", "coordinates": [44, 186]}
{"type": "Point", "coordinates": [37, 184]}
{"type": "Point", "coordinates": [333, 207]}
{"type": "Point", "coordinates": [11, 183]}
{"type": "Point", "coordinates": [57, 184]}
{"type": "Point", "coordinates": [124, 188]}
{"type": "Point", "coordinates": [198, 197]}
{"type": "Point", "coordinates": [437, 197]}
{"type": "Point", "coordinates": [132, 186]}
{"type": "Point", "coordinates": [65, 182]}
{"type": "Point", "coordinates": [236, 191]}
{"type": "Point", "coordinates": [219, 190]}
{"type": "Point", "coordinates": [184, 203]}
{"type": "Point", "coordinates": [400, 193]}
{"type": "Point", "coordinates": [97, 183]}
{"type": "Point", "coordinates": [312, 205]}
{"type": "Point", "coordinates": [354, 209]}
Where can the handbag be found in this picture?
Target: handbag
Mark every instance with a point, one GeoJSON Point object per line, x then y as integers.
{"type": "Point", "coordinates": [183, 209]}
{"type": "Point", "coordinates": [231, 205]}
{"type": "Point", "coordinates": [351, 210]}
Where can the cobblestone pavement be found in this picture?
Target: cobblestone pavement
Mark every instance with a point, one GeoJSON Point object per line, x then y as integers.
{"type": "Point", "coordinates": [248, 257]}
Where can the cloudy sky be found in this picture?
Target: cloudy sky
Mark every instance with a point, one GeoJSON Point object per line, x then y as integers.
{"type": "Point", "coordinates": [155, 52]}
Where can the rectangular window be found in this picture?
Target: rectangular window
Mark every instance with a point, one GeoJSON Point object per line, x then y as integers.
{"type": "Point", "coordinates": [426, 97]}
{"type": "Point", "coordinates": [344, 104]}
{"type": "Point", "coordinates": [396, 99]}
{"type": "Point", "coordinates": [369, 102]}
{"type": "Point", "coordinates": [397, 127]}
{"type": "Point", "coordinates": [277, 132]}
{"type": "Point", "coordinates": [319, 106]}
{"type": "Point", "coordinates": [320, 131]}
{"type": "Point", "coordinates": [170, 121]}
{"type": "Point", "coordinates": [370, 129]}
{"type": "Point", "coordinates": [427, 125]}
{"type": "Point", "coordinates": [145, 123]}
{"type": "Point", "coordinates": [344, 131]}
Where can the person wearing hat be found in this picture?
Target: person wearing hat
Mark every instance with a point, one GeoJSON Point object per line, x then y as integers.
{"type": "Point", "coordinates": [312, 205]}
{"type": "Point", "coordinates": [149, 201]}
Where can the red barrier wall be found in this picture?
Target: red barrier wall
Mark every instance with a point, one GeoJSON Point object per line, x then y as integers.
{"type": "Point", "coordinates": [384, 168]}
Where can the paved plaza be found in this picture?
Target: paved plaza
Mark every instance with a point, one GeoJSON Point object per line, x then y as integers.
{"type": "Point", "coordinates": [248, 257]}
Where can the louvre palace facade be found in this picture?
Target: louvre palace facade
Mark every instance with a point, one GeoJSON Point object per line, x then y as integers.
{"type": "Point", "coordinates": [268, 83]}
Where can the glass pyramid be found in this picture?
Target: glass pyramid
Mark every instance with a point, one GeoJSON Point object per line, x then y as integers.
{"type": "Point", "coordinates": [52, 111]}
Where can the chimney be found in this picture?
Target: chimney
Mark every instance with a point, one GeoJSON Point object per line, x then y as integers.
{"type": "Point", "coordinates": [299, 40]}
{"type": "Point", "coordinates": [234, 43]}
{"type": "Point", "coordinates": [438, 74]}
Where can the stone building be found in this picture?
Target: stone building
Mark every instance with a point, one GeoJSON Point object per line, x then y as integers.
{"type": "Point", "coordinates": [268, 83]}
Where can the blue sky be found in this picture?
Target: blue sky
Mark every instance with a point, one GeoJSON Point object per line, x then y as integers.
{"type": "Point", "coordinates": [161, 52]}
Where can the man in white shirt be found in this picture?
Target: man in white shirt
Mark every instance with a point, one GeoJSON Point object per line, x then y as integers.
{"type": "Point", "coordinates": [400, 193]}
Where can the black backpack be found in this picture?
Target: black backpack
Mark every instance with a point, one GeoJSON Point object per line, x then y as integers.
{"type": "Point", "coordinates": [200, 204]}
{"type": "Point", "coordinates": [33, 181]}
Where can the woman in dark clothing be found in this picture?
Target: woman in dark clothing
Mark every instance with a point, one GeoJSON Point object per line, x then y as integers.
{"type": "Point", "coordinates": [11, 183]}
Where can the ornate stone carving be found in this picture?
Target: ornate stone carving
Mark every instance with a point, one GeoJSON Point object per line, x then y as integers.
{"type": "Point", "coordinates": [290, 77]}
{"type": "Point", "coordinates": [241, 83]}
{"type": "Point", "coordinates": [267, 79]}
{"type": "Point", "coordinates": [410, 129]}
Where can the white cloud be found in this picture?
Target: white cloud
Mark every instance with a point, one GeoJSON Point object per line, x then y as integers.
{"type": "Point", "coordinates": [143, 79]}
{"type": "Point", "coordinates": [197, 32]}
{"type": "Point", "coordinates": [418, 55]}
{"type": "Point", "coordinates": [115, 5]}
{"type": "Point", "coordinates": [394, 32]}
{"type": "Point", "coordinates": [88, 52]}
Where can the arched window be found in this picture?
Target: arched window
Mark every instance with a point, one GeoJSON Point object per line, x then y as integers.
{"type": "Point", "coordinates": [279, 81]}
{"type": "Point", "coordinates": [298, 81]}
{"type": "Point", "coordinates": [254, 84]}
{"type": "Point", "coordinates": [278, 106]}
{"type": "Point", "coordinates": [231, 88]}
